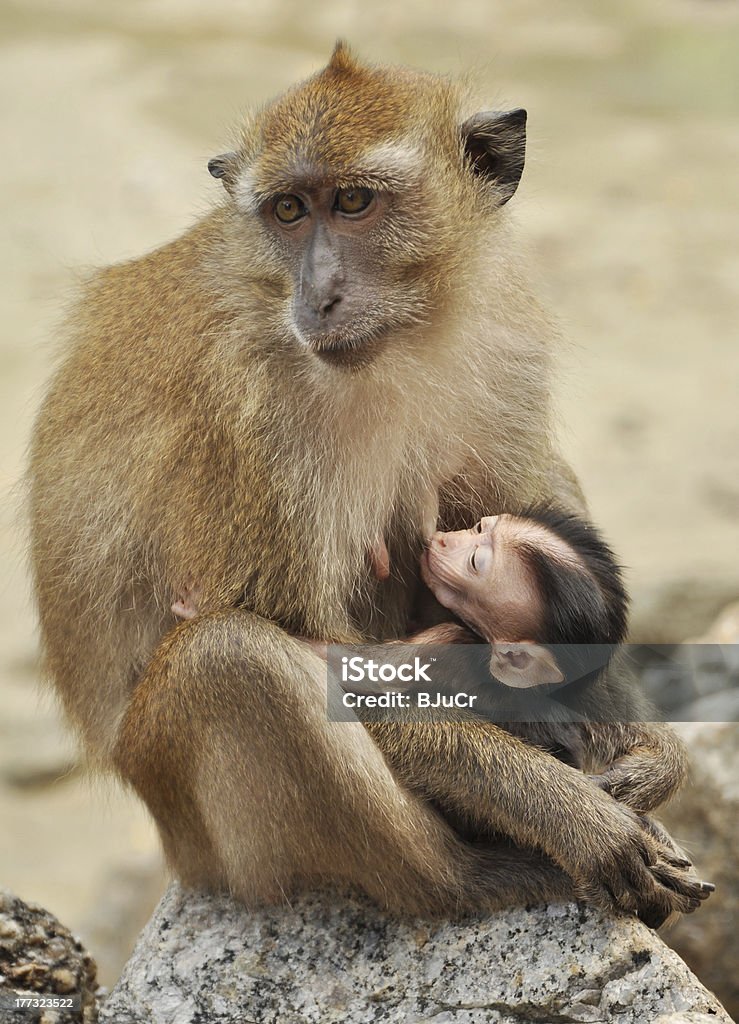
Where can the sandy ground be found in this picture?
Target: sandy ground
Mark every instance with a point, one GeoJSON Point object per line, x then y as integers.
{"type": "Point", "coordinates": [628, 205]}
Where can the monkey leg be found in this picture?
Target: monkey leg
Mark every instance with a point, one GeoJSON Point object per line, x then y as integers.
{"type": "Point", "coordinates": [227, 739]}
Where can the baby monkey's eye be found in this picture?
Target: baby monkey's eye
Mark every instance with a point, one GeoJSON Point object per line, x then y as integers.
{"type": "Point", "coordinates": [289, 209]}
{"type": "Point", "coordinates": [353, 200]}
{"type": "Point", "coordinates": [472, 559]}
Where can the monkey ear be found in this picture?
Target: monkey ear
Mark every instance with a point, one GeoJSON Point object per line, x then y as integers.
{"type": "Point", "coordinates": [342, 59]}
{"type": "Point", "coordinates": [495, 143]}
{"type": "Point", "coordinates": [525, 664]}
{"type": "Point", "coordinates": [224, 167]}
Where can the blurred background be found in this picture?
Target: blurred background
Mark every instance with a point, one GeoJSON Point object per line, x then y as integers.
{"type": "Point", "coordinates": [628, 206]}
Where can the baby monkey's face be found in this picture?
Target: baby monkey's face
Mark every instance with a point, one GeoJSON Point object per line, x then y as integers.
{"type": "Point", "coordinates": [482, 576]}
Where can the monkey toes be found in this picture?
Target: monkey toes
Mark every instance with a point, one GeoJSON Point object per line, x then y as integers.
{"type": "Point", "coordinates": [675, 855]}
{"type": "Point", "coordinates": [646, 877]}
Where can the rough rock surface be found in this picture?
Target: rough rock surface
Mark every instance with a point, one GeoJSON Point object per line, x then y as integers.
{"type": "Point", "coordinates": [705, 817]}
{"type": "Point", "coordinates": [40, 957]}
{"type": "Point", "coordinates": [697, 681]}
{"type": "Point", "coordinates": [705, 820]}
{"type": "Point", "coordinates": [205, 958]}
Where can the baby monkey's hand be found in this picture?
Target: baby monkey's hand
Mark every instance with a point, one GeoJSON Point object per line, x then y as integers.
{"type": "Point", "coordinates": [443, 633]}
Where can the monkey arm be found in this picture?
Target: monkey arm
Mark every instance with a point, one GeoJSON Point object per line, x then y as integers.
{"type": "Point", "coordinates": [640, 762]}
{"type": "Point", "coordinates": [644, 763]}
{"type": "Point", "coordinates": [498, 783]}
{"type": "Point", "coordinates": [492, 781]}
{"type": "Point", "coordinates": [472, 495]}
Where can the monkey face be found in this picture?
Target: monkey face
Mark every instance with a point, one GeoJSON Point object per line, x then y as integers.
{"type": "Point", "coordinates": [343, 299]}
{"type": "Point", "coordinates": [368, 188]}
{"type": "Point", "coordinates": [480, 576]}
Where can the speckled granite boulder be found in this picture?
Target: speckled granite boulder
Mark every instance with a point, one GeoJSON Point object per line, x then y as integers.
{"type": "Point", "coordinates": [206, 959]}
{"type": "Point", "coordinates": [40, 957]}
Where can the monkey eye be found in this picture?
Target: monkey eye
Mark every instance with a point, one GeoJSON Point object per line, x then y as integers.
{"type": "Point", "coordinates": [353, 200]}
{"type": "Point", "coordinates": [289, 208]}
{"type": "Point", "coordinates": [472, 560]}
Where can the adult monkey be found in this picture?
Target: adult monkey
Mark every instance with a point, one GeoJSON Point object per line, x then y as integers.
{"type": "Point", "coordinates": [252, 406]}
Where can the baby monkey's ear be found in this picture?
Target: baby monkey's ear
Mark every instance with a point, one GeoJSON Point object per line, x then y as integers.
{"type": "Point", "coordinates": [524, 664]}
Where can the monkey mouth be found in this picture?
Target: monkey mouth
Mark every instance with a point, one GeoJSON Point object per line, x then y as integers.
{"type": "Point", "coordinates": [347, 349]}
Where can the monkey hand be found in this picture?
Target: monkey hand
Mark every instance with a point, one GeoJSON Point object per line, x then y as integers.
{"type": "Point", "coordinates": [645, 781]}
{"type": "Point", "coordinates": [638, 789]}
{"type": "Point", "coordinates": [613, 780]}
{"type": "Point", "coordinates": [631, 862]}
{"type": "Point", "coordinates": [444, 633]}
{"type": "Point", "coordinates": [662, 836]}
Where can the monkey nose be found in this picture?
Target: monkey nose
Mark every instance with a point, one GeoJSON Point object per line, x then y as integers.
{"type": "Point", "coordinates": [327, 306]}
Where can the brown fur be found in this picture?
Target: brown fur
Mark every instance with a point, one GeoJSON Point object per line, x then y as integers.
{"type": "Point", "coordinates": [187, 434]}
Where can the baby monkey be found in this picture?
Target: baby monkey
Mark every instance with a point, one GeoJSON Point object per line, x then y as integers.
{"type": "Point", "coordinates": [544, 590]}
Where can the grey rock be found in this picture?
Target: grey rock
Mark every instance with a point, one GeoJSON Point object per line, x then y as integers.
{"type": "Point", "coordinates": [705, 820]}
{"type": "Point", "coordinates": [331, 957]}
{"type": "Point", "coordinates": [684, 1018]}
{"type": "Point", "coordinates": [40, 957]}
{"type": "Point", "coordinates": [692, 680]}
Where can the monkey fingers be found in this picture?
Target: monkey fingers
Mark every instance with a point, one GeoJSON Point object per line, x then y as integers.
{"type": "Point", "coordinates": [665, 904]}
{"type": "Point", "coordinates": [671, 852]}
{"type": "Point", "coordinates": [650, 905]}
{"type": "Point", "coordinates": [662, 889]}
{"type": "Point", "coordinates": [684, 884]}
{"type": "Point", "coordinates": [608, 895]}
{"type": "Point", "coordinates": [622, 897]}
{"type": "Point", "coordinates": [636, 874]}
{"type": "Point", "coordinates": [654, 915]}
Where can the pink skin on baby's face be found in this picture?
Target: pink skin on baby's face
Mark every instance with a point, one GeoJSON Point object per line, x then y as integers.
{"type": "Point", "coordinates": [481, 576]}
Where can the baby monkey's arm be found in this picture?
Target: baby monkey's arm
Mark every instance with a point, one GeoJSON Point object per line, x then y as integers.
{"type": "Point", "coordinates": [643, 763]}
